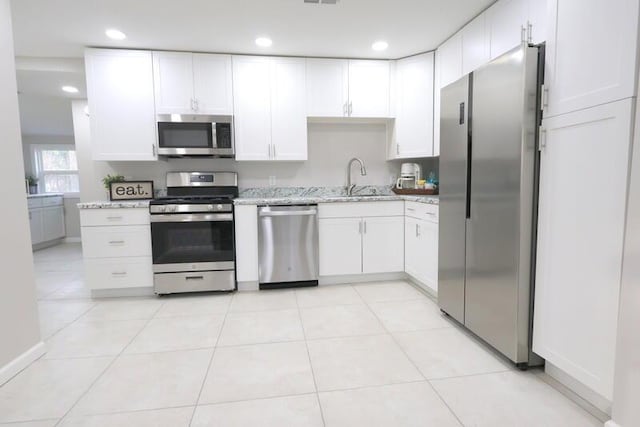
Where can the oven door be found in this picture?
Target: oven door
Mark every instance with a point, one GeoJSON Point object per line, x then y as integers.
{"type": "Point", "coordinates": [192, 242]}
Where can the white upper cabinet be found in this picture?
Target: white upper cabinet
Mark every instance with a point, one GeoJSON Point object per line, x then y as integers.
{"type": "Point", "coordinates": [580, 241]}
{"type": "Point", "coordinates": [121, 104]}
{"type": "Point", "coordinates": [414, 107]}
{"type": "Point", "coordinates": [436, 104]}
{"type": "Point", "coordinates": [269, 108]}
{"type": "Point", "coordinates": [591, 53]}
{"type": "Point", "coordinates": [187, 83]}
{"type": "Point", "coordinates": [475, 44]}
{"type": "Point", "coordinates": [173, 82]}
{"type": "Point", "coordinates": [369, 88]}
{"type": "Point", "coordinates": [506, 25]}
{"type": "Point", "coordinates": [538, 13]}
{"type": "Point", "coordinates": [288, 105]}
{"type": "Point", "coordinates": [450, 59]}
{"type": "Point", "coordinates": [327, 87]}
{"type": "Point", "coordinates": [252, 107]}
{"type": "Point", "coordinates": [212, 84]}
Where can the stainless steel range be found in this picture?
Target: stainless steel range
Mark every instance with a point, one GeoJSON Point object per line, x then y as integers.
{"type": "Point", "coordinates": [192, 233]}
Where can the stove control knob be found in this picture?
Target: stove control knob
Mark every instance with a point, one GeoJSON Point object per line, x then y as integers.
{"type": "Point", "coordinates": [210, 207]}
{"type": "Point", "coordinates": [219, 207]}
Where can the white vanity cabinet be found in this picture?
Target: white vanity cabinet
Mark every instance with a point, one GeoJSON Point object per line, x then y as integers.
{"type": "Point", "coordinates": [116, 247]}
{"type": "Point", "coordinates": [361, 238]}
{"type": "Point", "coordinates": [421, 244]}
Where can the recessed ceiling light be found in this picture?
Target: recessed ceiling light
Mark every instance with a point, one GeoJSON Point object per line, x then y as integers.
{"type": "Point", "coordinates": [264, 41]}
{"type": "Point", "coordinates": [380, 45]}
{"type": "Point", "coordinates": [70, 89]}
{"type": "Point", "coordinates": [114, 34]}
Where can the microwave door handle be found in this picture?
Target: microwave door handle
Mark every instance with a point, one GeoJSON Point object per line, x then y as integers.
{"type": "Point", "coordinates": [214, 136]}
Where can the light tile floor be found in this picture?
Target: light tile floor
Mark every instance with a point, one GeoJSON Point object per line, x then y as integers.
{"type": "Point", "coordinates": [377, 354]}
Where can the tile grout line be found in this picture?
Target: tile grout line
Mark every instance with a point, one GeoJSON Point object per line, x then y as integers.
{"type": "Point", "coordinates": [213, 353]}
{"type": "Point", "coordinates": [313, 375]}
{"type": "Point", "coordinates": [414, 364]}
{"type": "Point", "coordinates": [93, 383]}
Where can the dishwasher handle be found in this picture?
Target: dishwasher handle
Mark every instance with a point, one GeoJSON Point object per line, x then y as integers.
{"type": "Point", "coordinates": [288, 212]}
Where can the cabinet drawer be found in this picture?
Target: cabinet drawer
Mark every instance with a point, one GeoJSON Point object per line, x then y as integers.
{"type": "Point", "coordinates": [35, 202]}
{"type": "Point", "coordinates": [360, 209]}
{"type": "Point", "coordinates": [126, 216]}
{"type": "Point", "coordinates": [118, 273]}
{"type": "Point", "coordinates": [422, 211]}
{"type": "Point", "coordinates": [122, 241]}
{"type": "Point", "coordinates": [52, 201]}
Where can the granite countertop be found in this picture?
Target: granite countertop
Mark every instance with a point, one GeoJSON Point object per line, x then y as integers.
{"type": "Point", "coordinates": [36, 196]}
{"type": "Point", "coordinates": [105, 204]}
{"type": "Point", "coordinates": [290, 196]}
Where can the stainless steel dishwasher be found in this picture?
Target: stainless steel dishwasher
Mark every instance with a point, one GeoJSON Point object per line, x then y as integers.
{"type": "Point", "coordinates": [288, 246]}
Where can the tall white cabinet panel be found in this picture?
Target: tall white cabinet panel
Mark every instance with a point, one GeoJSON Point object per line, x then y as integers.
{"type": "Point", "coordinates": [580, 241]}
{"type": "Point", "coordinates": [246, 226]}
{"type": "Point", "coordinates": [475, 44]}
{"type": "Point", "coordinates": [383, 244]}
{"type": "Point", "coordinates": [212, 84]}
{"type": "Point", "coordinates": [450, 59]}
{"type": "Point", "coordinates": [327, 87]}
{"type": "Point", "coordinates": [340, 246]}
{"type": "Point", "coordinates": [538, 18]}
{"type": "Point", "coordinates": [288, 109]}
{"type": "Point", "coordinates": [414, 107]}
{"type": "Point", "coordinates": [368, 88]}
{"type": "Point", "coordinates": [121, 104]}
{"type": "Point", "coordinates": [252, 107]}
{"type": "Point", "coordinates": [506, 24]}
{"type": "Point", "coordinates": [173, 82]}
{"type": "Point", "coordinates": [591, 54]}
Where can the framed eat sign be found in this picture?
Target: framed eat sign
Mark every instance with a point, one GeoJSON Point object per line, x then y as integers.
{"type": "Point", "coordinates": [131, 190]}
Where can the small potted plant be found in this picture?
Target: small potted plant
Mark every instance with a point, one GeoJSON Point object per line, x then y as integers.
{"type": "Point", "coordinates": [107, 180]}
{"type": "Point", "coordinates": [32, 182]}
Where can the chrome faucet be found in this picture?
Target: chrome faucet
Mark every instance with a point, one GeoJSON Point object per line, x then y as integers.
{"type": "Point", "coordinates": [363, 172]}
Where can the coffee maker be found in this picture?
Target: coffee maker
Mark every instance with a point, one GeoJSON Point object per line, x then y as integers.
{"type": "Point", "coordinates": [410, 174]}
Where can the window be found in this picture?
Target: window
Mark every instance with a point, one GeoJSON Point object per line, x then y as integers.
{"type": "Point", "coordinates": [57, 168]}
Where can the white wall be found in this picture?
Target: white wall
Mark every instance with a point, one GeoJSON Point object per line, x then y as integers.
{"type": "Point", "coordinates": [331, 145]}
{"type": "Point", "coordinates": [626, 393]}
{"type": "Point", "coordinates": [19, 330]}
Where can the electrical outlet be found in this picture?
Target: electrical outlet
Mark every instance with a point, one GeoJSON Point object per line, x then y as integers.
{"type": "Point", "coordinates": [272, 180]}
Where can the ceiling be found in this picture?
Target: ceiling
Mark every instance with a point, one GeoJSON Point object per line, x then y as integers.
{"type": "Point", "coordinates": [62, 28]}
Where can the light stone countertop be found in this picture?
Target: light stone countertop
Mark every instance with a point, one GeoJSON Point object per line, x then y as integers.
{"type": "Point", "coordinates": [37, 196]}
{"type": "Point", "coordinates": [105, 204]}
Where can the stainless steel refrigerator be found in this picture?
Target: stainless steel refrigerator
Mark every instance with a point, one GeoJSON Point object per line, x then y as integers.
{"type": "Point", "coordinates": [488, 193]}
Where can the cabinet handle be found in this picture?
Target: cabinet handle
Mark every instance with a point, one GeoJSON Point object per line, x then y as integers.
{"type": "Point", "coordinates": [350, 108]}
{"type": "Point", "coordinates": [114, 218]}
{"type": "Point", "coordinates": [119, 273]}
{"type": "Point", "coordinates": [417, 230]}
{"type": "Point", "coordinates": [360, 227]}
{"type": "Point", "coordinates": [397, 149]}
{"type": "Point", "coordinates": [153, 149]}
{"type": "Point", "coordinates": [523, 34]}
{"type": "Point", "coordinates": [116, 242]}
{"type": "Point", "coordinates": [344, 109]}
{"type": "Point", "coordinates": [192, 106]}
{"type": "Point", "coordinates": [194, 278]}
{"type": "Point", "coordinates": [365, 226]}
{"type": "Point", "coordinates": [196, 104]}
{"type": "Point", "coordinates": [274, 151]}
{"type": "Point", "coordinates": [529, 32]}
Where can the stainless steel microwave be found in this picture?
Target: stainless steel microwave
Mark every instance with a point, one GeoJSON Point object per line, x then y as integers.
{"type": "Point", "coordinates": [190, 135]}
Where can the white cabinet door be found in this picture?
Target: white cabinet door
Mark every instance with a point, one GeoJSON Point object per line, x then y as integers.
{"type": "Point", "coordinates": [428, 253]}
{"type": "Point", "coordinates": [412, 248]}
{"type": "Point", "coordinates": [580, 241]}
{"type": "Point", "coordinates": [340, 246]}
{"type": "Point", "coordinates": [212, 84]}
{"type": "Point", "coordinates": [368, 88]}
{"type": "Point", "coordinates": [450, 57]}
{"type": "Point", "coordinates": [121, 104]}
{"type": "Point", "coordinates": [246, 225]}
{"type": "Point", "coordinates": [383, 244]}
{"type": "Point", "coordinates": [288, 109]}
{"type": "Point", "coordinates": [414, 110]}
{"type": "Point", "coordinates": [53, 223]}
{"type": "Point", "coordinates": [327, 87]}
{"type": "Point", "coordinates": [436, 104]}
{"type": "Point", "coordinates": [252, 107]}
{"type": "Point", "coordinates": [475, 44]}
{"type": "Point", "coordinates": [591, 53]}
{"type": "Point", "coordinates": [506, 24]}
{"type": "Point", "coordinates": [538, 14]}
{"type": "Point", "coordinates": [36, 226]}
{"type": "Point", "coordinates": [173, 82]}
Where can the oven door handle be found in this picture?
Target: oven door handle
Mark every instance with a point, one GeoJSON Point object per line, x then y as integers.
{"type": "Point", "coordinates": [192, 218]}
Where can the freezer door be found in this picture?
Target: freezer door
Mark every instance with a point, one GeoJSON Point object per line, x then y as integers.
{"type": "Point", "coordinates": [499, 226]}
{"type": "Point", "coordinates": [454, 119]}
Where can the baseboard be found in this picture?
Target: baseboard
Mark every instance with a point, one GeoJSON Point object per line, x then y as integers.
{"type": "Point", "coordinates": [423, 287]}
{"type": "Point", "coordinates": [611, 423]}
{"type": "Point", "coordinates": [124, 292]}
{"type": "Point", "coordinates": [14, 367]}
{"type": "Point", "coordinates": [72, 240]}
{"type": "Point", "coordinates": [248, 286]}
{"type": "Point", "coordinates": [360, 278]}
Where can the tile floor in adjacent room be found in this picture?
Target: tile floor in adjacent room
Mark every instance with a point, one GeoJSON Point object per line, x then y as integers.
{"type": "Point", "coordinates": [378, 354]}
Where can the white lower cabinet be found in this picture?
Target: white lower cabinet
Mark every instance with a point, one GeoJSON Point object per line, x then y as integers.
{"type": "Point", "coordinates": [53, 223]}
{"type": "Point", "coordinates": [352, 241]}
{"type": "Point", "coordinates": [421, 244]}
{"type": "Point", "coordinates": [583, 190]}
{"type": "Point", "coordinates": [116, 246]}
{"type": "Point", "coordinates": [46, 219]}
{"type": "Point", "coordinates": [36, 226]}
